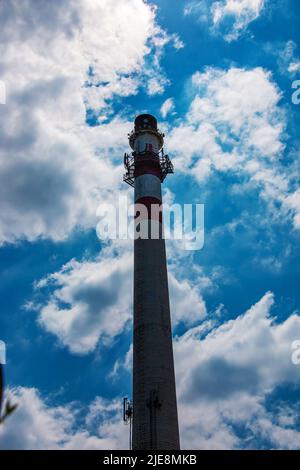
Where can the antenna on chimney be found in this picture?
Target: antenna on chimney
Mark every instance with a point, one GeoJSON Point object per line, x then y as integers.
{"type": "Point", "coordinates": [127, 417]}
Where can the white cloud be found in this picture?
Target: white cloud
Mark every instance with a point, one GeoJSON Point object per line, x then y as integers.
{"type": "Point", "coordinates": [224, 375]}
{"type": "Point", "coordinates": [187, 304]}
{"type": "Point", "coordinates": [294, 67]}
{"type": "Point", "coordinates": [91, 301]}
{"type": "Point", "coordinates": [200, 8]}
{"type": "Point", "coordinates": [285, 55]}
{"type": "Point", "coordinates": [292, 202]}
{"type": "Point", "coordinates": [167, 107]}
{"type": "Point", "coordinates": [54, 169]}
{"type": "Point", "coordinates": [39, 426]}
{"type": "Point", "coordinates": [235, 124]}
{"type": "Point", "coordinates": [122, 365]}
{"type": "Point", "coordinates": [178, 43]}
{"type": "Point", "coordinates": [227, 17]}
{"type": "Point", "coordinates": [156, 86]}
{"type": "Point", "coordinates": [236, 109]}
{"type": "Point", "coordinates": [242, 12]}
{"type": "Point", "coordinates": [287, 59]}
{"type": "Point", "coordinates": [57, 183]}
{"type": "Point", "coordinates": [2, 92]}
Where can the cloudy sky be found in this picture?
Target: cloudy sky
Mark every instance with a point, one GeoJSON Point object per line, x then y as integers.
{"type": "Point", "coordinates": [218, 75]}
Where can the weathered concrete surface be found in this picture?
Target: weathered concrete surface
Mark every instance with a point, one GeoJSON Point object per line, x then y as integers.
{"type": "Point", "coordinates": [155, 421]}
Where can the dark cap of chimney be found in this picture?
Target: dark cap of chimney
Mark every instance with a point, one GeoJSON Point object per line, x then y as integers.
{"type": "Point", "coordinates": [145, 121]}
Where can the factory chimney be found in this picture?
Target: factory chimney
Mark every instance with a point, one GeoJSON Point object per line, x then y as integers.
{"type": "Point", "coordinates": [155, 421]}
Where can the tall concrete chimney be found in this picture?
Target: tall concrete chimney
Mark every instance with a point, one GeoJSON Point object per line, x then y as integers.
{"type": "Point", "coordinates": [155, 421]}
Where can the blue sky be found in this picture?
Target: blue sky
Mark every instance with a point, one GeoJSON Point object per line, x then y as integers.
{"type": "Point", "coordinates": [218, 76]}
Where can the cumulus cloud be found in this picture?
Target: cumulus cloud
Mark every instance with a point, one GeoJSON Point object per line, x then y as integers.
{"type": "Point", "coordinates": [292, 202]}
{"type": "Point", "coordinates": [225, 373]}
{"type": "Point", "coordinates": [285, 54]}
{"type": "Point", "coordinates": [238, 13]}
{"type": "Point", "coordinates": [167, 107]}
{"type": "Point", "coordinates": [122, 365]}
{"type": "Point", "coordinates": [239, 109]}
{"type": "Point", "coordinates": [288, 60]}
{"type": "Point", "coordinates": [234, 109]}
{"type": "Point", "coordinates": [156, 85]}
{"type": "Point", "coordinates": [187, 304]}
{"type": "Point", "coordinates": [235, 124]}
{"type": "Point", "coordinates": [54, 168]}
{"type": "Point", "coordinates": [177, 42]}
{"type": "Point", "coordinates": [39, 426]}
{"type": "Point", "coordinates": [227, 17]}
{"type": "Point", "coordinates": [91, 301]}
